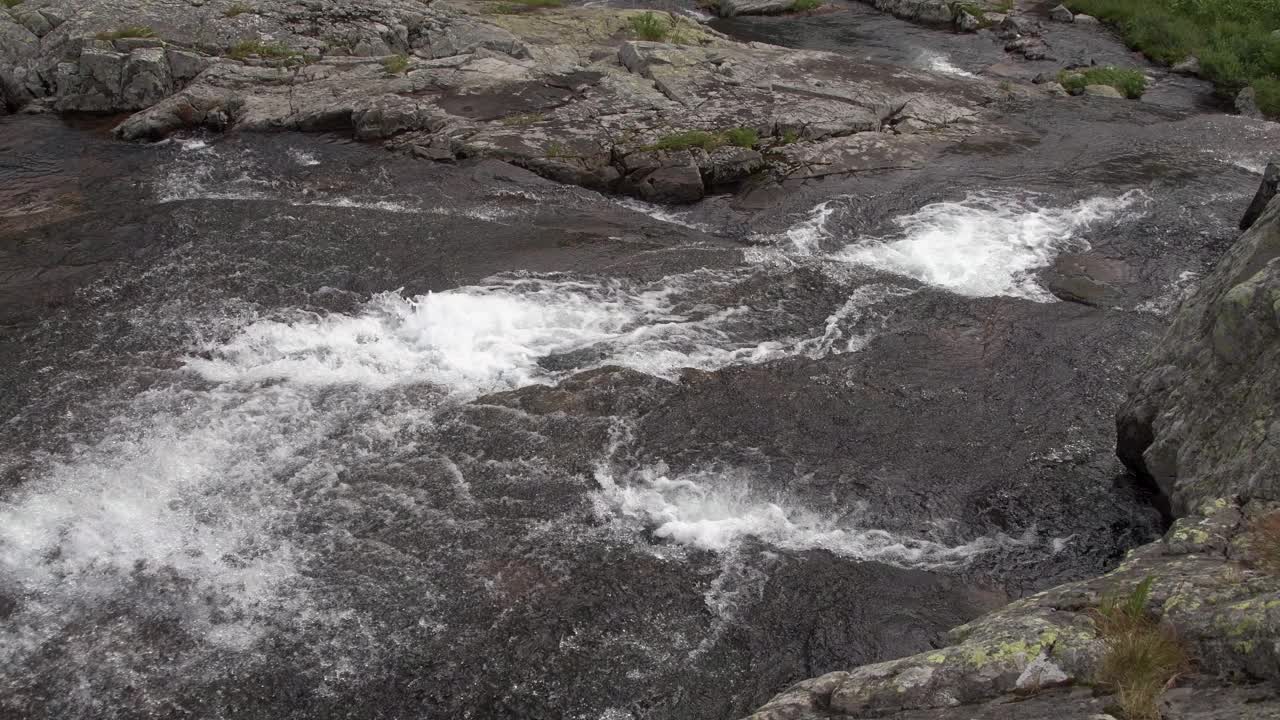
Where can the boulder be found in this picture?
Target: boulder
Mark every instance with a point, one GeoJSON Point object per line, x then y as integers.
{"type": "Point", "coordinates": [1102, 91]}
{"type": "Point", "coordinates": [1189, 66]}
{"type": "Point", "coordinates": [1060, 13]}
{"type": "Point", "coordinates": [1247, 103]}
{"type": "Point", "coordinates": [1200, 421]}
{"type": "Point", "coordinates": [1082, 19]}
{"type": "Point", "coordinates": [926, 11]}
{"type": "Point", "coordinates": [1266, 191]}
{"type": "Point", "coordinates": [967, 22]}
{"type": "Point", "coordinates": [1015, 25]}
{"type": "Point", "coordinates": [730, 8]}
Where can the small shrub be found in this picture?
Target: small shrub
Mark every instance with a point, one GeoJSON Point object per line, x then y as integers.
{"type": "Point", "coordinates": [650, 26]}
{"type": "Point", "coordinates": [689, 139]}
{"type": "Point", "coordinates": [396, 64]}
{"type": "Point", "coordinates": [1268, 90]}
{"type": "Point", "coordinates": [1119, 613]}
{"type": "Point", "coordinates": [1131, 83]}
{"type": "Point", "coordinates": [742, 137]}
{"type": "Point", "coordinates": [1142, 655]}
{"type": "Point", "coordinates": [789, 136]}
{"type": "Point", "coordinates": [805, 5]}
{"type": "Point", "coordinates": [237, 9]}
{"type": "Point", "coordinates": [1266, 543]}
{"type": "Point", "coordinates": [138, 31]}
{"type": "Point", "coordinates": [246, 48]}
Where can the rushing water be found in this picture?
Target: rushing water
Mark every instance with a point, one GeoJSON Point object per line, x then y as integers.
{"type": "Point", "coordinates": [297, 428]}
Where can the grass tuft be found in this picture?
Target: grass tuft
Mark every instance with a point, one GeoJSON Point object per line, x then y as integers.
{"type": "Point", "coordinates": [396, 64]}
{"type": "Point", "coordinates": [650, 26]}
{"type": "Point", "coordinates": [516, 6]}
{"type": "Point", "coordinates": [523, 119]}
{"type": "Point", "coordinates": [237, 9]}
{"type": "Point", "coordinates": [247, 48]}
{"type": "Point", "coordinates": [10, 3]}
{"type": "Point", "coordinates": [137, 31]}
{"type": "Point", "coordinates": [1232, 38]}
{"type": "Point", "coordinates": [706, 140]}
{"type": "Point", "coordinates": [805, 5]}
{"type": "Point", "coordinates": [1130, 82]}
{"type": "Point", "coordinates": [1143, 655]}
{"type": "Point", "coordinates": [742, 137]}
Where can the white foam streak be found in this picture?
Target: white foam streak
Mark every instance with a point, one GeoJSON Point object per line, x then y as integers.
{"type": "Point", "coordinates": [985, 245]}
{"type": "Point", "coordinates": [184, 499]}
{"type": "Point", "coordinates": [479, 338]}
{"type": "Point", "coordinates": [718, 511]}
{"type": "Point", "coordinates": [939, 63]}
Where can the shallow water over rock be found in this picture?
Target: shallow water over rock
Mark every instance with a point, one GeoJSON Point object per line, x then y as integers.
{"type": "Point", "coordinates": [300, 428]}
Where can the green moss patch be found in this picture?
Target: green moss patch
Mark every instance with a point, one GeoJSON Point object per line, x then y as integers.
{"type": "Point", "coordinates": [1130, 82]}
{"type": "Point", "coordinates": [738, 137]}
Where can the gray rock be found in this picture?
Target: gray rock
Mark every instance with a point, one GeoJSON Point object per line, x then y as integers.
{"type": "Point", "coordinates": [1016, 25]}
{"type": "Point", "coordinates": [1247, 103]}
{"type": "Point", "coordinates": [1102, 91]}
{"type": "Point", "coordinates": [678, 182]}
{"type": "Point", "coordinates": [1189, 66]}
{"type": "Point", "coordinates": [927, 11]}
{"type": "Point", "coordinates": [1199, 423]}
{"type": "Point", "coordinates": [185, 65]}
{"type": "Point", "coordinates": [33, 20]}
{"type": "Point", "coordinates": [730, 8]}
{"type": "Point", "coordinates": [146, 79]}
{"type": "Point", "coordinates": [1060, 13]}
{"type": "Point", "coordinates": [1266, 190]}
{"type": "Point", "coordinates": [967, 22]}
{"type": "Point", "coordinates": [1082, 19]}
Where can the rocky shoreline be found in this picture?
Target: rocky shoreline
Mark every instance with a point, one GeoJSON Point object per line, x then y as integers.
{"type": "Point", "coordinates": [1199, 428]}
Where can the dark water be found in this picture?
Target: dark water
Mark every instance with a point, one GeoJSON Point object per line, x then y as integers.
{"type": "Point", "coordinates": [297, 428]}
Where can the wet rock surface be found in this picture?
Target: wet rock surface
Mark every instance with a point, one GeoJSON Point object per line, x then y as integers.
{"type": "Point", "coordinates": [302, 428]}
{"type": "Point", "coordinates": [1180, 430]}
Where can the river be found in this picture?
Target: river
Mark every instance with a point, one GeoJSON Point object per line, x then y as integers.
{"type": "Point", "coordinates": [298, 428]}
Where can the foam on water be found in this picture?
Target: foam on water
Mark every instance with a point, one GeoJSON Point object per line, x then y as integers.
{"type": "Point", "coordinates": [986, 244]}
{"type": "Point", "coordinates": [486, 337]}
{"type": "Point", "coordinates": [717, 511]}
{"type": "Point", "coordinates": [939, 63]}
{"type": "Point", "coordinates": [178, 512]}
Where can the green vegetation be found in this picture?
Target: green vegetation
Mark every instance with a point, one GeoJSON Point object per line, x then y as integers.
{"type": "Point", "coordinates": [650, 26]}
{"type": "Point", "coordinates": [1130, 82]}
{"type": "Point", "coordinates": [523, 119]}
{"type": "Point", "coordinates": [805, 5]}
{"type": "Point", "coordinates": [139, 31]}
{"type": "Point", "coordinates": [789, 136]}
{"type": "Point", "coordinates": [742, 137]}
{"type": "Point", "coordinates": [1232, 38]}
{"type": "Point", "coordinates": [237, 9]}
{"type": "Point", "coordinates": [1142, 656]}
{"type": "Point", "coordinates": [396, 64]}
{"type": "Point", "coordinates": [1266, 544]}
{"type": "Point", "coordinates": [515, 6]}
{"type": "Point", "coordinates": [278, 51]}
{"type": "Point", "coordinates": [738, 137]}
{"type": "Point", "coordinates": [11, 3]}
